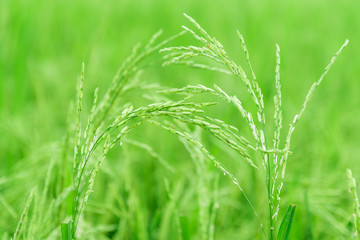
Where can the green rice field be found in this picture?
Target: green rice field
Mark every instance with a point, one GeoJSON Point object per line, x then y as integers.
{"type": "Point", "coordinates": [179, 120]}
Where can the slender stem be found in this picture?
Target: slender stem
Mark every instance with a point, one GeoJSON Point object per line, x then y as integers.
{"type": "Point", "coordinates": [271, 234]}
{"type": "Point", "coordinates": [268, 182]}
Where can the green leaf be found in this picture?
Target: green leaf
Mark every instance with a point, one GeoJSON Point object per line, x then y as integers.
{"type": "Point", "coordinates": [66, 231]}
{"type": "Point", "coordinates": [285, 226]}
{"type": "Point", "coordinates": [185, 231]}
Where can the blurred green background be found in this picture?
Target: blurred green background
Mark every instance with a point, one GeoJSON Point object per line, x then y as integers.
{"type": "Point", "coordinates": [42, 46]}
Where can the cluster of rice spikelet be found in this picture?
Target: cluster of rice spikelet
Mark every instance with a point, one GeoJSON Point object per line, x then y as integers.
{"type": "Point", "coordinates": [273, 159]}
{"type": "Point", "coordinates": [108, 125]}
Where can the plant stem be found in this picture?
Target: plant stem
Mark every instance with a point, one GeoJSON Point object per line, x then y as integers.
{"type": "Point", "coordinates": [271, 232]}
{"type": "Point", "coordinates": [268, 182]}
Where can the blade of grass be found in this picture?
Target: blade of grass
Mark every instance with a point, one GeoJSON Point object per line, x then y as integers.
{"type": "Point", "coordinates": [66, 231]}
{"type": "Point", "coordinates": [23, 215]}
{"type": "Point", "coordinates": [286, 223]}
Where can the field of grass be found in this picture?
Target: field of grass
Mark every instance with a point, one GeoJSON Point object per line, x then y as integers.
{"type": "Point", "coordinates": [142, 162]}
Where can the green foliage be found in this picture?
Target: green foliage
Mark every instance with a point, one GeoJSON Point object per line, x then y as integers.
{"type": "Point", "coordinates": [66, 233]}
{"type": "Point", "coordinates": [286, 223]}
{"type": "Point", "coordinates": [98, 172]}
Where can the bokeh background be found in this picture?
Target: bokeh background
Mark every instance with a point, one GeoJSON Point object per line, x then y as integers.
{"type": "Point", "coordinates": [42, 46]}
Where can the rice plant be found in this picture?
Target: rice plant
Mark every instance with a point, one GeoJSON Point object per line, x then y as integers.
{"type": "Point", "coordinates": [105, 129]}
{"type": "Point", "coordinates": [274, 157]}
{"type": "Point", "coordinates": [353, 191]}
{"type": "Point", "coordinates": [99, 130]}
{"type": "Point", "coordinates": [109, 123]}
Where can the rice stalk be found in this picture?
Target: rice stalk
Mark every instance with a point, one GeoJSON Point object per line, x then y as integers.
{"type": "Point", "coordinates": [283, 159]}
{"type": "Point", "coordinates": [353, 191]}
{"type": "Point", "coordinates": [23, 216]}
{"type": "Point", "coordinates": [213, 49]}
